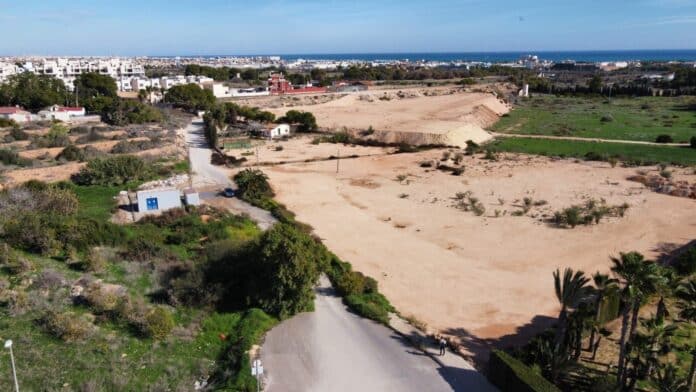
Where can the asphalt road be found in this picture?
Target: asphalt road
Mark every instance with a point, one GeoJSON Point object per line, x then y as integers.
{"type": "Point", "coordinates": [332, 349]}
{"type": "Point", "coordinates": [205, 175]}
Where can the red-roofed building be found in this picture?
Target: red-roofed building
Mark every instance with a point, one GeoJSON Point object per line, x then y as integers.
{"type": "Point", "coordinates": [277, 84]}
{"type": "Point", "coordinates": [14, 113]}
{"type": "Point", "coordinates": [62, 113]}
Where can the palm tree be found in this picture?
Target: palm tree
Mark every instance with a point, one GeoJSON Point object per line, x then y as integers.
{"type": "Point", "coordinates": [579, 320]}
{"type": "Point", "coordinates": [664, 286]}
{"type": "Point", "coordinates": [603, 284]}
{"type": "Point", "coordinates": [570, 289]}
{"type": "Point", "coordinates": [638, 278]}
{"type": "Point", "coordinates": [667, 380]}
{"type": "Point", "coordinates": [658, 335]}
{"type": "Point", "coordinates": [686, 292]}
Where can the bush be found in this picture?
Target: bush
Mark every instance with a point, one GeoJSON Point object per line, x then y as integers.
{"type": "Point", "coordinates": [71, 153]}
{"type": "Point", "coordinates": [66, 326]}
{"type": "Point", "coordinates": [9, 157]}
{"type": "Point", "coordinates": [4, 123]}
{"type": "Point", "coordinates": [117, 170]}
{"type": "Point", "coordinates": [511, 375]}
{"type": "Point", "coordinates": [158, 323]}
{"type": "Point", "coordinates": [306, 122]}
{"type": "Point", "coordinates": [664, 139]}
{"type": "Point", "coordinates": [607, 118]}
{"type": "Point", "coordinates": [253, 185]}
{"type": "Point", "coordinates": [685, 263]}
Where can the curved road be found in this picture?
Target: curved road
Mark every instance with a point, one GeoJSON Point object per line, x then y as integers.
{"type": "Point", "coordinates": [332, 349]}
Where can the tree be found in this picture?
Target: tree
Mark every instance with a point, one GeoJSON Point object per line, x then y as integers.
{"type": "Point", "coordinates": [190, 97]}
{"type": "Point", "coordinates": [595, 84]}
{"type": "Point", "coordinates": [33, 92]}
{"type": "Point", "coordinates": [637, 277]}
{"type": "Point", "coordinates": [305, 120]}
{"type": "Point", "coordinates": [666, 379]}
{"type": "Point", "coordinates": [658, 334]}
{"type": "Point", "coordinates": [253, 185]}
{"type": "Point", "coordinates": [288, 266]}
{"type": "Point", "coordinates": [686, 292]}
{"type": "Point", "coordinates": [603, 284]}
{"type": "Point", "coordinates": [570, 289]}
{"type": "Point", "coordinates": [91, 85]}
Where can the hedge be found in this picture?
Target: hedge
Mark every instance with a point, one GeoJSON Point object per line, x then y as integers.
{"type": "Point", "coordinates": [511, 375]}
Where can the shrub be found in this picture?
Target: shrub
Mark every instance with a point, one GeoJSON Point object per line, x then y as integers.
{"type": "Point", "coordinates": [664, 139]}
{"type": "Point", "coordinates": [471, 147]}
{"type": "Point", "coordinates": [510, 374]}
{"type": "Point", "coordinates": [685, 264]}
{"type": "Point", "coordinates": [607, 118]}
{"type": "Point", "coordinates": [253, 185]}
{"type": "Point", "coordinates": [116, 170]}
{"type": "Point", "coordinates": [4, 122]}
{"type": "Point", "coordinates": [490, 155]}
{"type": "Point", "coordinates": [71, 153]}
{"type": "Point", "coordinates": [158, 323]}
{"type": "Point", "coordinates": [66, 326]}
{"type": "Point", "coordinates": [9, 157]}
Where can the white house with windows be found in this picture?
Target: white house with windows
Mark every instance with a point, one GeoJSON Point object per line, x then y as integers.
{"type": "Point", "coordinates": [62, 113]}
{"type": "Point", "coordinates": [273, 131]}
{"type": "Point", "coordinates": [158, 200]}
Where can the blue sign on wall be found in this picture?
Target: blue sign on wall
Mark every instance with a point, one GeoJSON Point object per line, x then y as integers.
{"type": "Point", "coordinates": [152, 203]}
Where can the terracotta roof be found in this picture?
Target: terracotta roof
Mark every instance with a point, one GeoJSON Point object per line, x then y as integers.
{"type": "Point", "coordinates": [11, 110]}
{"type": "Point", "coordinates": [69, 109]}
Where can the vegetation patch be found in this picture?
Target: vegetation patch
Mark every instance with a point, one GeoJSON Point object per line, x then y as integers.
{"type": "Point", "coordinates": [631, 154]}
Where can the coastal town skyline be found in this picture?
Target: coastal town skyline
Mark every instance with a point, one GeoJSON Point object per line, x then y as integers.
{"type": "Point", "coordinates": [280, 27]}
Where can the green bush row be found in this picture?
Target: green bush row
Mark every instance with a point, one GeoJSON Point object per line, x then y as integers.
{"type": "Point", "coordinates": [511, 375]}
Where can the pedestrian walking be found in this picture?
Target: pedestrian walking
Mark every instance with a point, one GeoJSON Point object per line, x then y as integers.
{"type": "Point", "coordinates": [443, 345]}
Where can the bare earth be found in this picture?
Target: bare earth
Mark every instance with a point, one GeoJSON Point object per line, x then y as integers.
{"type": "Point", "coordinates": [415, 116]}
{"type": "Point", "coordinates": [479, 278]}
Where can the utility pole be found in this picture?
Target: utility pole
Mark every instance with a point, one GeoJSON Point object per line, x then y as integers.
{"type": "Point", "coordinates": [8, 344]}
{"type": "Point", "coordinates": [257, 370]}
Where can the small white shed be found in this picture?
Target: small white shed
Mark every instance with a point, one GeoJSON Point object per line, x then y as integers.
{"type": "Point", "coordinates": [276, 130]}
{"type": "Point", "coordinates": [191, 197]}
{"type": "Point", "coordinates": [155, 200]}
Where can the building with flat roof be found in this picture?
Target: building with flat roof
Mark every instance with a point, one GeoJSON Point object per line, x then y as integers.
{"type": "Point", "coordinates": [158, 200]}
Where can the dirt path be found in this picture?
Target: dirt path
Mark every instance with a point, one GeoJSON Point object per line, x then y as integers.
{"type": "Point", "coordinates": [586, 139]}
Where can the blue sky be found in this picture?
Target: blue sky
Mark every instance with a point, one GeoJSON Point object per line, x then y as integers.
{"type": "Point", "coordinates": [178, 27]}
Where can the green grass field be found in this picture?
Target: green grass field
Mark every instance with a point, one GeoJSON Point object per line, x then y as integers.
{"type": "Point", "coordinates": [641, 118]}
{"type": "Point", "coordinates": [633, 153]}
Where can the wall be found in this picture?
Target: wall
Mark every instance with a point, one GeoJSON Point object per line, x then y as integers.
{"type": "Point", "coordinates": [166, 199]}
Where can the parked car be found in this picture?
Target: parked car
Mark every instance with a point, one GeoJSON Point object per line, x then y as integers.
{"type": "Point", "coordinates": [228, 192]}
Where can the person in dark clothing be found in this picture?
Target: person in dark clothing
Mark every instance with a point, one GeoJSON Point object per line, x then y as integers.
{"type": "Point", "coordinates": [443, 346]}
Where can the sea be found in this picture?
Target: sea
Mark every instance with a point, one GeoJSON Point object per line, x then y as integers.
{"type": "Point", "coordinates": [687, 55]}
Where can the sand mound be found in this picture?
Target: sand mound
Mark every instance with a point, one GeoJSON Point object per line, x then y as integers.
{"type": "Point", "coordinates": [438, 136]}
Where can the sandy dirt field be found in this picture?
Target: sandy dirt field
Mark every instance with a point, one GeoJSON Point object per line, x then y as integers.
{"type": "Point", "coordinates": [300, 149]}
{"type": "Point", "coordinates": [415, 116]}
{"type": "Point", "coordinates": [485, 279]}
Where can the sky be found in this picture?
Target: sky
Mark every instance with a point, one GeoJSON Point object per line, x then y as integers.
{"type": "Point", "coordinates": [217, 27]}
